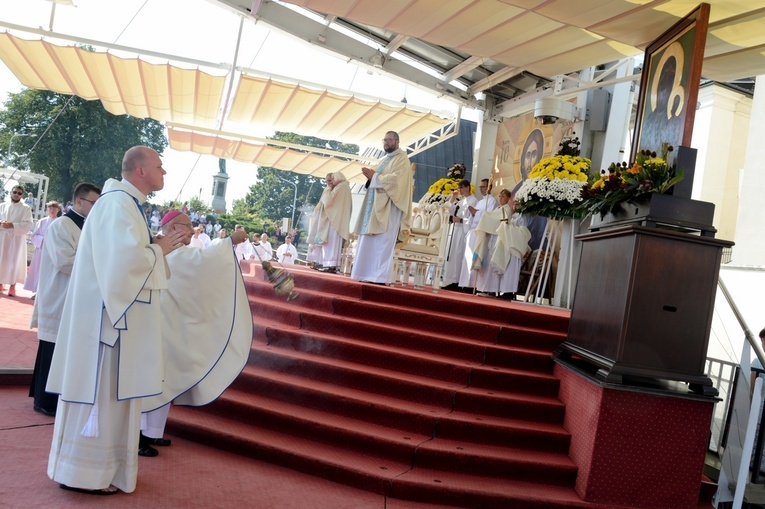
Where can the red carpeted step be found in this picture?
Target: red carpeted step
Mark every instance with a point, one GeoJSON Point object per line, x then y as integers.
{"type": "Point", "coordinates": [502, 463]}
{"type": "Point", "coordinates": [390, 332]}
{"type": "Point", "coordinates": [319, 425]}
{"type": "Point", "coordinates": [351, 350]}
{"type": "Point", "coordinates": [504, 431]}
{"type": "Point", "coordinates": [341, 465]}
{"type": "Point", "coordinates": [446, 399]}
{"type": "Point", "coordinates": [509, 404]}
{"type": "Point", "coordinates": [348, 374]}
{"type": "Point", "coordinates": [380, 409]}
{"type": "Point", "coordinates": [485, 492]}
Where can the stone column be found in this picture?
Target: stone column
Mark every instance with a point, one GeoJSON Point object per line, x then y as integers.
{"type": "Point", "coordinates": [750, 238]}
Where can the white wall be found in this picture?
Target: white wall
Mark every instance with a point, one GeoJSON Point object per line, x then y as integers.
{"type": "Point", "coordinates": [720, 136]}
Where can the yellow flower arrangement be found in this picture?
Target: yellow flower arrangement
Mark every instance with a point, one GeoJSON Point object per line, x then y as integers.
{"type": "Point", "coordinates": [441, 190]}
{"type": "Point", "coordinates": [554, 186]}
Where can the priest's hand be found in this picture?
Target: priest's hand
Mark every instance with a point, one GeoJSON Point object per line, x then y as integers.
{"type": "Point", "coordinates": [170, 242]}
{"type": "Point", "coordinates": [368, 172]}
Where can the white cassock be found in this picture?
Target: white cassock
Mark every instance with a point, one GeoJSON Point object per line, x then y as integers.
{"type": "Point", "coordinates": [244, 250]}
{"type": "Point", "coordinates": [206, 338]}
{"type": "Point", "coordinates": [332, 250]}
{"type": "Point", "coordinates": [502, 240]}
{"type": "Point", "coordinates": [264, 251]}
{"type": "Point", "coordinates": [467, 275]}
{"type": "Point", "coordinates": [387, 207]}
{"type": "Point", "coordinates": [56, 264]}
{"type": "Point", "coordinates": [281, 254]}
{"type": "Point", "coordinates": [37, 238]}
{"type": "Point", "coordinates": [13, 242]}
{"type": "Point", "coordinates": [329, 227]}
{"type": "Point", "coordinates": [455, 258]}
{"type": "Point", "coordinates": [108, 353]}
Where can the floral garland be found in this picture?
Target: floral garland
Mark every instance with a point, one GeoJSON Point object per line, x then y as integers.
{"type": "Point", "coordinates": [554, 186]}
{"type": "Point", "coordinates": [622, 183]}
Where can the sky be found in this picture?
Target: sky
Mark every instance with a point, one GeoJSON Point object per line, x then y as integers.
{"type": "Point", "coordinates": [204, 31]}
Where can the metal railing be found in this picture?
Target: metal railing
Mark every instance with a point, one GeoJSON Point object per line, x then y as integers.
{"type": "Point", "coordinates": [725, 376]}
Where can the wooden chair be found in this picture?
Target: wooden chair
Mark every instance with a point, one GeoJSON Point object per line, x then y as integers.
{"type": "Point", "coordinates": [424, 248]}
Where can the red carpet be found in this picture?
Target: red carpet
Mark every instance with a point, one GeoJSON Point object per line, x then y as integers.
{"type": "Point", "coordinates": [444, 399]}
{"type": "Point", "coordinates": [447, 399]}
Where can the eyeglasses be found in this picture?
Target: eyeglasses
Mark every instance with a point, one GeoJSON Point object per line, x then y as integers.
{"type": "Point", "coordinates": [92, 202]}
{"type": "Point", "coordinates": [188, 225]}
{"type": "Point", "coordinates": [20, 193]}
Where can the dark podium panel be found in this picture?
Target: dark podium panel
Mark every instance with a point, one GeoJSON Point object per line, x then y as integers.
{"type": "Point", "coordinates": [643, 304]}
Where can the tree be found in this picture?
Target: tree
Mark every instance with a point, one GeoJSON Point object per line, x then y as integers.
{"type": "Point", "coordinates": [195, 203]}
{"type": "Point", "coordinates": [76, 142]}
{"type": "Point", "coordinates": [272, 197]}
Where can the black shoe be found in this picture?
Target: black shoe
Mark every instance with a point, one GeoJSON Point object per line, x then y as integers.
{"type": "Point", "coordinates": [143, 440]}
{"type": "Point", "coordinates": [161, 442]}
{"type": "Point", "coordinates": [453, 287]}
{"type": "Point", "coordinates": [148, 451]}
{"type": "Point", "coordinates": [44, 411]}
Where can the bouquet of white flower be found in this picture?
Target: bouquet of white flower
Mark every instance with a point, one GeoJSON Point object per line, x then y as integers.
{"type": "Point", "coordinates": [554, 187]}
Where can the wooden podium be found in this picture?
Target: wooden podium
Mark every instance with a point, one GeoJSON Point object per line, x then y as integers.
{"type": "Point", "coordinates": [643, 304]}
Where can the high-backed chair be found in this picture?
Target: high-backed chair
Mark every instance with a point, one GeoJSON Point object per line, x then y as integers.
{"type": "Point", "coordinates": [424, 248]}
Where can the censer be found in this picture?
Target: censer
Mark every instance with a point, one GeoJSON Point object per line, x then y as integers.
{"type": "Point", "coordinates": [282, 281]}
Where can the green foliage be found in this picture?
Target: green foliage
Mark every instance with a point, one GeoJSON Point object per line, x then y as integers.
{"type": "Point", "coordinates": [78, 142]}
{"type": "Point", "coordinates": [273, 196]}
{"type": "Point", "coordinates": [251, 223]}
{"type": "Point", "coordinates": [195, 203]}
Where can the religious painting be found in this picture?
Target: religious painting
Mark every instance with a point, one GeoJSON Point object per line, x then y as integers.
{"type": "Point", "coordinates": [669, 84]}
{"type": "Point", "coordinates": [521, 143]}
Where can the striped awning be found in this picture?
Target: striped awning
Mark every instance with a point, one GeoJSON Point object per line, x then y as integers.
{"type": "Point", "coordinates": [123, 85]}
{"type": "Point", "coordinates": [265, 153]}
{"type": "Point", "coordinates": [318, 112]}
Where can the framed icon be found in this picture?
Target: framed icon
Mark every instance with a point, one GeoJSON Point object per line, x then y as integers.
{"type": "Point", "coordinates": [669, 84]}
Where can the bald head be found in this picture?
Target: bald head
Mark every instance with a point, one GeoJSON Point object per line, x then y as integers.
{"type": "Point", "coordinates": [142, 167]}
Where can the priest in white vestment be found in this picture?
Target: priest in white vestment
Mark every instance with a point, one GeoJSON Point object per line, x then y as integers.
{"type": "Point", "coordinates": [56, 262]}
{"type": "Point", "coordinates": [330, 222]}
{"type": "Point", "coordinates": [108, 353]}
{"type": "Point", "coordinates": [501, 242]}
{"type": "Point", "coordinates": [486, 203]}
{"type": "Point", "coordinates": [286, 253]}
{"type": "Point", "coordinates": [386, 210]}
{"type": "Point", "coordinates": [244, 250]}
{"type": "Point", "coordinates": [206, 338]}
{"type": "Point", "coordinates": [263, 248]}
{"type": "Point", "coordinates": [38, 237]}
{"type": "Point", "coordinates": [314, 253]}
{"type": "Point", "coordinates": [15, 223]}
{"type": "Point", "coordinates": [459, 205]}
